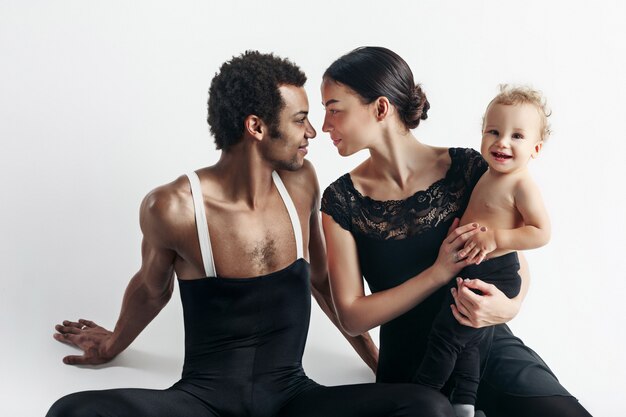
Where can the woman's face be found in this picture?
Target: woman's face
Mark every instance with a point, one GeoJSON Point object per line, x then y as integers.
{"type": "Point", "coordinates": [350, 123]}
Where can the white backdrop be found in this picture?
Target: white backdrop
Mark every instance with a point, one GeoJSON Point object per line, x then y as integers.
{"type": "Point", "coordinates": [102, 101]}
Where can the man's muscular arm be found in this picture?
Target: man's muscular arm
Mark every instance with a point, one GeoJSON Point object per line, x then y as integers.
{"type": "Point", "coordinates": [147, 292]}
{"type": "Point", "coordinates": [320, 285]}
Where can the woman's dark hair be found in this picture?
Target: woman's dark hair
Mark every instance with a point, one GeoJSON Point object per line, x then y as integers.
{"type": "Point", "coordinates": [374, 72]}
{"type": "Point", "coordinates": [248, 84]}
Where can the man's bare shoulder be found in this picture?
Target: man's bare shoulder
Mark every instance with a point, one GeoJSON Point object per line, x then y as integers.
{"type": "Point", "coordinates": [304, 177]}
{"type": "Point", "coordinates": [302, 182]}
{"type": "Point", "coordinates": [171, 199]}
{"type": "Point", "coordinates": [167, 208]}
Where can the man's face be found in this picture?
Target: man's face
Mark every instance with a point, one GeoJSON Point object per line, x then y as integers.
{"type": "Point", "coordinates": [288, 149]}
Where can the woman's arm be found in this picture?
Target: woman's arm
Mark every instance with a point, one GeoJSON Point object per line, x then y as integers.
{"type": "Point", "coordinates": [359, 313]}
{"type": "Point", "coordinates": [320, 287]}
{"type": "Point", "coordinates": [491, 308]}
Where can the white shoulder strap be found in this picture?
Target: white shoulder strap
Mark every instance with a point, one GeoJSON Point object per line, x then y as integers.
{"type": "Point", "coordinates": [201, 224]}
{"type": "Point", "coordinates": [293, 214]}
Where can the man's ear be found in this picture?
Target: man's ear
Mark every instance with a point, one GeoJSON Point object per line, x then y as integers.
{"type": "Point", "coordinates": [254, 126]}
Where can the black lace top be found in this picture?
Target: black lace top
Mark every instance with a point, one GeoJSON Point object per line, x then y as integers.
{"type": "Point", "coordinates": [397, 240]}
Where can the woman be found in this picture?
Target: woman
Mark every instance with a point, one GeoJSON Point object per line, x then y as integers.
{"type": "Point", "coordinates": [393, 221]}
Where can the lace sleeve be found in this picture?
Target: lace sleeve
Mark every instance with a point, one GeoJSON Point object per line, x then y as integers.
{"type": "Point", "coordinates": [475, 167]}
{"type": "Point", "coordinates": [335, 203]}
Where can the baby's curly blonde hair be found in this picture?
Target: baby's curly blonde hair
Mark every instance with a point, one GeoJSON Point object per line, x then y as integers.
{"type": "Point", "coordinates": [523, 94]}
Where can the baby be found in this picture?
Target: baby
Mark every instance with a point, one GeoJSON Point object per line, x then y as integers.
{"type": "Point", "coordinates": [507, 204]}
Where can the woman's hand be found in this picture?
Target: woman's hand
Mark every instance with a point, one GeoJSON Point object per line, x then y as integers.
{"type": "Point", "coordinates": [480, 245]}
{"type": "Point", "coordinates": [488, 309]}
{"type": "Point", "coordinates": [87, 336]}
{"type": "Point", "coordinates": [452, 255]}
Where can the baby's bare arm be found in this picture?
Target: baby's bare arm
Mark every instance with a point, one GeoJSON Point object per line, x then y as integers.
{"type": "Point", "coordinates": [536, 230]}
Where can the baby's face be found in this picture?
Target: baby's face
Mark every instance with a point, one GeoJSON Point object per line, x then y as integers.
{"type": "Point", "coordinates": [511, 136]}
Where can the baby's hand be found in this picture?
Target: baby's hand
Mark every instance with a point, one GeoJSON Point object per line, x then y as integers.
{"type": "Point", "coordinates": [478, 246]}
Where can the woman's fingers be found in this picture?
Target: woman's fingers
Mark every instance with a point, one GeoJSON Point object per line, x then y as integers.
{"type": "Point", "coordinates": [459, 317]}
{"type": "Point", "coordinates": [464, 232]}
{"type": "Point", "coordinates": [477, 284]}
{"type": "Point", "coordinates": [466, 249]}
{"type": "Point", "coordinates": [461, 305]}
{"type": "Point", "coordinates": [472, 257]}
{"type": "Point", "coordinates": [459, 241]}
{"type": "Point", "coordinates": [481, 257]}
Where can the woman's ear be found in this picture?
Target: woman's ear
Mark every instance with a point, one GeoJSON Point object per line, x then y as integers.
{"type": "Point", "coordinates": [382, 107]}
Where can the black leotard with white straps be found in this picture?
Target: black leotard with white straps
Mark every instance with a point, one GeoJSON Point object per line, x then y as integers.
{"type": "Point", "coordinates": [244, 341]}
{"type": "Point", "coordinates": [244, 337]}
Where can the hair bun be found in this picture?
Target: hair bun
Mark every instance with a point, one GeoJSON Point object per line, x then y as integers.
{"type": "Point", "coordinates": [373, 72]}
{"type": "Point", "coordinates": [417, 108]}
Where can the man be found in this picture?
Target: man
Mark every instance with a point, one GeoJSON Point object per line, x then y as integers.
{"type": "Point", "coordinates": [238, 235]}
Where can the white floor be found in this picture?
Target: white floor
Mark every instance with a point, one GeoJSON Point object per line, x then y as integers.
{"type": "Point", "coordinates": [32, 375]}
